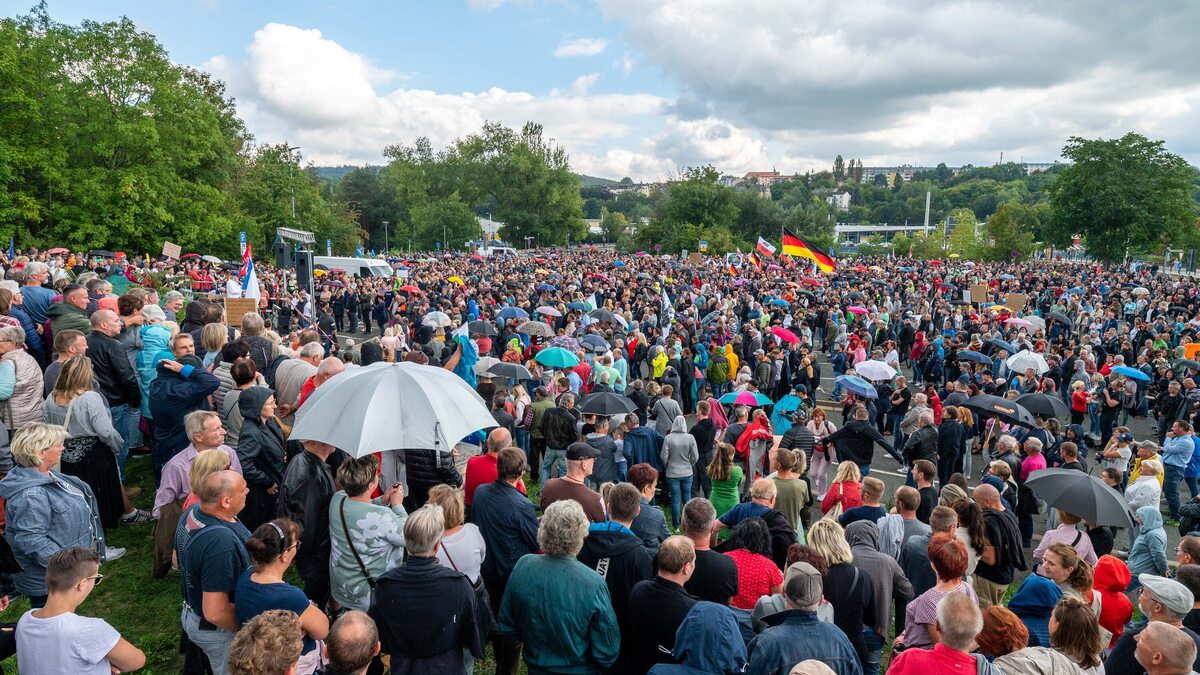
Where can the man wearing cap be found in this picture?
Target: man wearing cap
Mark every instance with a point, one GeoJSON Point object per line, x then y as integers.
{"type": "Point", "coordinates": [1161, 600]}
{"type": "Point", "coordinates": [796, 635]}
{"type": "Point", "coordinates": [581, 458]}
{"type": "Point", "coordinates": [1145, 450]}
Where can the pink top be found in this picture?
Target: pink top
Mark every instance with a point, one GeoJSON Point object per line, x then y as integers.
{"type": "Point", "coordinates": [1032, 463]}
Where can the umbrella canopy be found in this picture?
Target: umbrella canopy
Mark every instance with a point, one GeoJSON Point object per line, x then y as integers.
{"type": "Point", "coordinates": [557, 357]}
{"type": "Point", "coordinates": [973, 356]}
{"type": "Point", "coordinates": [994, 406]}
{"type": "Point", "coordinates": [1082, 495]}
{"type": "Point", "coordinates": [482, 328]}
{"type": "Point", "coordinates": [809, 281]}
{"type": "Point", "coordinates": [603, 315]}
{"type": "Point", "coordinates": [409, 288]}
{"type": "Point", "coordinates": [513, 371]}
{"type": "Point", "coordinates": [1017, 321]}
{"type": "Point", "coordinates": [385, 406]}
{"type": "Point", "coordinates": [605, 403]}
{"type": "Point", "coordinates": [1026, 359]}
{"type": "Point", "coordinates": [780, 302]}
{"type": "Point", "coordinates": [102, 253]}
{"type": "Point", "coordinates": [858, 386]}
{"type": "Point", "coordinates": [1141, 290]}
{"type": "Point", "coordinates": [855, 309]}
{"type": "Point", "coordinates": [536, 328]}
{"type": "Point", "coordinates": [455, 280]}
{"type": "Point", "coordinates": [750, 398]}
{"type": "Point", "coordinates": [484, 364]}
{"type": "Point", "coordinates": [781, 413]}
{"type": "Point", "coordinates": [1036, 322]}
{"type": "Point", "coordinates": [436, 320]}
{"type": "Point", "coordinates": [1191, 364]}
{"type": "Point", "coordinates": [710, 317]}
{"type": "Point", "coordinates": [544, 288]}
{"type": "Point", "coordinates": [56, 251]}
{"type": "Point", "coordinates": [211, 258]}
{"type": "Point", "coordinates": [1133, 373]}
{"type": "Point", "coordinates": [1044, 406]}
{"type": "Point", "coordinates": [507, 313]}
{"type": "Point", "coordinates": [595, 343]}
{"type": "Point", "coordinates": [875, 370]}
{"type": "Point", "coordinates": [784, 334]}
{"type": "Point", "coordinates": [576, 305]}
{"type": "Point", "coordinates": [1060, 317]}
{"type": "Point", "coordinates": [548, 311]}
{"type": "Point", "coordinates": [564, 342]}
{"type": "Point", "coordinates": [1002, 344]}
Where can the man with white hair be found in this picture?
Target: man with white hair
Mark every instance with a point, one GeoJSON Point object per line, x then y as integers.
{"type": "Point", "coordinates": [291, 375]}
{"type": "Point", "coordinates": [326, 369]}
{"type": "Point", "coordinates": [1163, 601]}
{"type": "Point", "coordinates": [556, 605]}
{"type": "Point", "coordinates": [35, 295]}
{"type": "Point", "coordinates": [1164, 650]}
{"type": "Point", "coordinates": [912, 419]}
{"type": "Point", "coordinates": [796, 634]}
{"type": "Point", "coordinates": [958, 621]}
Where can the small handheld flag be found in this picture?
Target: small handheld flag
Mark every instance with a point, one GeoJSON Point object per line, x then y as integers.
{"type": "Point", "coordinates": [765, 247]}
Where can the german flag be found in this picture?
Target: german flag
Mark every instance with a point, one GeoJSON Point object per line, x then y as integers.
{"type": "Point", "coordinates": [753, 257]}
{"type": "Point", "coordinates": [797, 246]}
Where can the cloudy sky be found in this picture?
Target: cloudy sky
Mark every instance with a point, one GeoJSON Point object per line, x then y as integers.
{"type": "Point", "coordinates": [642, 88]}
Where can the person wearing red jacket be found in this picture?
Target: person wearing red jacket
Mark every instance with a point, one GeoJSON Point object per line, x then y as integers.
{"type": "Point", "coordinates": [1110, 579]}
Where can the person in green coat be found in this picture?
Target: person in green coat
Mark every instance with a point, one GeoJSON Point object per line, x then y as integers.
{"type": "Point", "coordinates": [558, 606]}
{"type": "Point", "coordinates": [70, 314]}
{"type": "Point", "coordinates": [726, 478]}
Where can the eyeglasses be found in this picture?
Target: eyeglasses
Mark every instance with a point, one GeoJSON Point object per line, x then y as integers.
{"type": "Point", "coordinates": [97, 578]}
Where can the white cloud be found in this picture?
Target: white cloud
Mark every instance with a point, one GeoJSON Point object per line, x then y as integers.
{"type": "Point", "coordinates": [581, 47]}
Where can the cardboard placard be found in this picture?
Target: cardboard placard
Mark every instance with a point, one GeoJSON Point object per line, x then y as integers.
{"type": "Point", "coordinates": [979, 293]}
{"type": "Point", "coordinates": [695, 258]}
{"type": "Point", "coordinates": [172, 251]}
{"type": "Point", "coordinates": [1015, 301]}
{"type": "Point", "coordinates": [236, 308]}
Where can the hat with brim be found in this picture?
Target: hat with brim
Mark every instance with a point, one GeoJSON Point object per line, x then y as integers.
{"type": "Point", "coordinates": [578, 451]}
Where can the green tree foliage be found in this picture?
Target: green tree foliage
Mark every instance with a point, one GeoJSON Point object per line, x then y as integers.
{"type": "Point", "coordinates": [373, 201]}
{"type": "Point", "coordinates": [612, 224]}
{"type": "Point", "coordinates": [105, 142]}
{"type": "Point", "coordinates": [839, 168]}
{"type": "Point", "coordinates": [963, 240]}
{"type": "Point", "coordinates": [697, 199]}
{"type": "Point", "coordinates": [447, 220]}
{"type": "Point", "coordinates": [1122, 195]}
{"type": "Point", "coordinates": [1008, 233]}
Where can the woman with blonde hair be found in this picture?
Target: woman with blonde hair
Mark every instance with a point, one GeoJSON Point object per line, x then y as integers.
{"type": "Point", "coordinates": [92, 443]}
{"type": "Point", "coordinates": [212, 337]}
{"type": "Point", "coordinates": [846, 491]}
{"type": "Point", "coordinates": [521, 403]}
{"type": "Point", "coordinates": [847, 588]}
{"type": "Point", "coordinates": [205, 464]}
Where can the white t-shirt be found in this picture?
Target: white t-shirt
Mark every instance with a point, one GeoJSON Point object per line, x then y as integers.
{"type": "Point", "coordinates": [1120, 463]}
{"type": "Point", "coordinates": [233, 288]}
{"type": "Point", "coordinates": [67, 643]}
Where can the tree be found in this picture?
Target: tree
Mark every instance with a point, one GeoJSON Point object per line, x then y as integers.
{"type": "Point", "coordinates": [963, 240]}
{"type": "Point", "coordinates": [612, 224]}
{"type": "Point", "coordinates": [447, 221]}
{"type": "Point", "coordinates": [1121, 195]}
{"type": "Point", "coordinates": [839, 168]}
{"type": "Point", "coordinates": [758, 216]}
{"type": "Point", "coordinates": [697, 199]}
{"type": "Point", "coordinates": [1009, 236]}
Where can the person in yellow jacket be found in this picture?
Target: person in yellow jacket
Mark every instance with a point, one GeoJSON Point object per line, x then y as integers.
{"type": "Point", "coordinates": [734, 364]}
{"type": "Point", "coordinates": [1145, 450]}
{"type": "Point", "coordinates": [659, 361]}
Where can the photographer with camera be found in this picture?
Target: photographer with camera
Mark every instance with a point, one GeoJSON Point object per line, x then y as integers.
{"type": "Point", "coordinates": [1117, 451]}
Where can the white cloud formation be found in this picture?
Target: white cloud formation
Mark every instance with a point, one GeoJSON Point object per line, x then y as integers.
{"type": "Point", "coordinates": [581, 47]}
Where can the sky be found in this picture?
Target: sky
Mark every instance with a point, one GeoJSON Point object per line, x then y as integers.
{"type": "Point", "coordinates": [645, 88]}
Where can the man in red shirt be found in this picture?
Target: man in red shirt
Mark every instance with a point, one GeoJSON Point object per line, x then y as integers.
{"type": "Point", "coordinates": [481, 469]}
{"type": "Point", "coordinates": [330, 366]}
{"type": "Point", "coordinates": [958, 621]}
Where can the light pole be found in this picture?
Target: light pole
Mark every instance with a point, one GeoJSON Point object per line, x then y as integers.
{"type": "Point", "coordinates": [289, 149]}
{"type": "Point", "coordinates": [385, 237]}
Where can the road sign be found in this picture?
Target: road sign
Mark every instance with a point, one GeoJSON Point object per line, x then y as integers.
{"type": "Point", "coordinates": [242, 243]}
{"type": "Point", "coordinates": [328, 247]}
{"type": "Point", "coordinates": [657, 248]}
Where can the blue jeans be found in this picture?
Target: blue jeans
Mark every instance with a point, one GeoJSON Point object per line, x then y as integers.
{"type": "Point", "coordinates": [553, 456]}
{"type": "Point", "coordinates": [874, 643]}
{"type": "Point", "coordinates": [121, 419]}
{"type": "Point", "coordinates": [523, 441]}
{"type": "Point", "coordinates": [681, 491]}
{"type": "Point", "coordinates": [1172, 476]}
{"type": "Point", "coordinates": [214, 643]}
{"type": "Point", "coordinates": [864, 469]}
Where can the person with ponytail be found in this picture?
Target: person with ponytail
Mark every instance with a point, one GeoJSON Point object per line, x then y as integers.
{"type": "Point", "coordinates": [273, 547]}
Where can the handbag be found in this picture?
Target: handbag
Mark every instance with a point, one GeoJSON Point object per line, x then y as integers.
{"type": "Point", "coordinates": [361, 567]}
{"type": "Point", "coordinates": [481, 594]}
{"type": "Point", "coordinates": [835, 513]}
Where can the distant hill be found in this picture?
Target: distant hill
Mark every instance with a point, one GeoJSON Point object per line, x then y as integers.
{"type": "Point", "coordinates": [334, 174]}
{"type": "Point", "coordinates": [593, 181]}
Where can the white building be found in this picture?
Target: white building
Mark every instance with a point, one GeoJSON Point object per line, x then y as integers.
{"type": "Point", "coordinates": [491, 228]}
{"type": "Point", "coordinates": [839, 200]}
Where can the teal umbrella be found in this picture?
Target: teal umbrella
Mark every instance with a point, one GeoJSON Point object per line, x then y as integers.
{"type": "Point", "coordinates": [781, 414]}
{"type": "Point", "coordinates": [556, 357]}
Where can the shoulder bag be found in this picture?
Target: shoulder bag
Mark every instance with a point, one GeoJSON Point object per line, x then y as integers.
{"type": "Point", "coordinates": [350, 542]}
{"type": "Point", "coordinates": [481, 594]}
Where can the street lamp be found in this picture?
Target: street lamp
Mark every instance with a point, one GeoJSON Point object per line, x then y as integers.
{"type": "Point", "coordinates": [289, 149]}
{"type": "Point", "coordinates": [385, 237]}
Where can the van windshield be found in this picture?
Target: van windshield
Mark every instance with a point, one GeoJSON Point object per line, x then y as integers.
{"type": "Point", "coordinates": [380, 270]}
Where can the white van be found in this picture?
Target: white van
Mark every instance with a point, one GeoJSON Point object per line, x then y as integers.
{"type": "Point", "coordinates": [363, 267]}
{"type": "Point", "coordinates": [489, 251]}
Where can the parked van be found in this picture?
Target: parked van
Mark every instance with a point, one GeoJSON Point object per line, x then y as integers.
{"type": "Point", "coordinates": [490, 251]}
{"type": "Point", "coordinates": [363, 267]}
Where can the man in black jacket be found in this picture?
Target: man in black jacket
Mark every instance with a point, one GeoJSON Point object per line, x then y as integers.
{"type": "Point", "coordinates": [114, 372]}
{"type": "Point", "coordinates": [640, 399]}
{"type": "Point", "coordinates": [618, 555]}
{"type": "Point", "coordinates": [428, 613]}
{"type": "Point", "coordinates": [558, 428]}
{"type": "Point", "coordinates": [181, 387]}
{"type": "Point", "coordinates": [304, 497]}
{"type": "Point", "coordinates": [922, 444]}
{"type": "Point", "coordinates": [658, 606]}
{"type": "Point", "coordinates": [856, 441]}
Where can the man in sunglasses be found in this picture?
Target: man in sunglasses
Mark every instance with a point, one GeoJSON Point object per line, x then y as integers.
{"type": "Point", "coordinates": [54, 639]}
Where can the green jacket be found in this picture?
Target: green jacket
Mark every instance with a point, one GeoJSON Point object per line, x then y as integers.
{"type": "Point", "coordinates": [65, 316]}
{"type": "Point", "coordinates": [561, 610]}
{"type": "Point", "coordinates": [539, 411]}
{"type": "Point", "coordinates": [718, 369]}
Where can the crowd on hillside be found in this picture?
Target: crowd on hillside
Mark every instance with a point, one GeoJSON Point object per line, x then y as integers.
{"type": "Point", "coordinates": [724, 520]}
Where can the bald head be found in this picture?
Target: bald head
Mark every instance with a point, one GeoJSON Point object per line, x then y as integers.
{"type": "Point", "coordinates": [1163, 649]}
{"type": "Point", "coordinates": [221, 485]}
{"type": "Point", "coordinates": [498, 439]}
{"type": "Point", "coordinates": [106, 321]}
{"type": "Point", "coordinates": [352, 642]}
{"type": "Point", "coordinates": [986, 495]}
{"type": "Point", "coordinates": [328, 368]}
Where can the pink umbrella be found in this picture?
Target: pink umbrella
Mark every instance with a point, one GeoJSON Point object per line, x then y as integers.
{"type": "Point", "coordinates": [548, 311]}
{"type": "Point", "coordinates": [785, 334]}
{"type": "Point", "coordinates": [774, 267]}
{"type": "Point", "coordinates": [855, 309]}
{"type": "Point", "coordinates": [1017, 321]}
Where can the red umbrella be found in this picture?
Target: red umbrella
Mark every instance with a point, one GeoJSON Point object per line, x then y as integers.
{"type": "Point", "coordinates": [785, 334]}
{"type": "Point", "coordinates": [188, 256]}
{"type": "Point", "coordinates": [860, 268]}
{"type": "Point", "coordinates": [477, 257]}
{"type": "Point", "coordinates": [935, 262]}
{"type": "Point", "coordinates": [809, 281]}
{"type": "Point", "coordinates": [56, 251]}
{"type": "Point", "coordinates": [774, 267]}
{"type": "Point", "coordinates": [410, 289]}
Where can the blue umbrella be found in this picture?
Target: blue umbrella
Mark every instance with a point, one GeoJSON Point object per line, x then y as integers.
{"type": "Point", "coordinates": [1076, 291]}
{"type": "Point", "coordinates": [780, 302]}
{"type": "Point", "coordinates": [576, 305]}
{"type": "Point", "coordinates": [856, 385]}
{"type": "Point", "coordinates": [618, 263]}
{"type": "Point", "coordinates": [1007, 277]}
{"type": "Point", "coordinates": [556, 357]}
{"type": "Point", "coordinates": [512, 313]}
{"type": "Point", "coordinates": [1131, 372]}
{"type": "Point", "coordinates": [544, 288]}
{"type": "Point", "coordinates": [1002, 344]}
{"type": "Point", "coordinates": [781, 419]}
{"type": "Point", "coordinates": [977, 357]}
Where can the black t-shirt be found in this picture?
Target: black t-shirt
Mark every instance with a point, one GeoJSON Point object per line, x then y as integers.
{"type": "Point", "coordinates": [901, 408]}
{"type": "Point", "coordinates": [929, 499]}
{"type": "Point", "coordinates": [214, 561]}
{"type": "Point", "coordinates": [715, 578]}
{"type": "Point", "coordinates": [1122, 660]}
{"type": "Point", "coordinates": [1002, 533]}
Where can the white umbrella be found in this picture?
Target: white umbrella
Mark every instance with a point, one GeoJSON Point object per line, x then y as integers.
{"type": "Point", "coordinates": [875, 370]}
{"type": "Point", "coordinates": [387, 406]}
{"type": "Point", "coordinates": [436, 320]}
{"type": "Point", "coordinates": [211, 258]}
{"type": "Point", "coordinates": [485, 364]}
{"type": "Point", "coordinates": [1141, 290]}
{"type": "Point", "coordinates": [1037, 321]}
{"type": "Point", "coordinates": [1022, 360]}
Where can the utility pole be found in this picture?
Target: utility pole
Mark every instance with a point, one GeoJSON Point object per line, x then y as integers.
{"type": "Point", "coordinates": [928, 194]}
{"type": "Point", "coordinates": [946, 233]}
{"type": "Point", "coordinates": [292, 183]}
{"type": "Point", "coordinates": [385, 237]}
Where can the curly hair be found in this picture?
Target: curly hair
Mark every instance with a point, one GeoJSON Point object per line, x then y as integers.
{"type": "Point", "coordinates": [752, 535]}
{"type": "Point", "coordinates": [269, 644]}
{"type": "Point", "coordinates": [563, 528]}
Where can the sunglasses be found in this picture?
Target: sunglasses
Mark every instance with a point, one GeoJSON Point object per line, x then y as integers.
{"type": "Point", "coordinates": [97, 578]}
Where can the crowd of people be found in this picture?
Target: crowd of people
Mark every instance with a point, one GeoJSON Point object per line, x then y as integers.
{"type": "Point", "coordinates": [679, 477]}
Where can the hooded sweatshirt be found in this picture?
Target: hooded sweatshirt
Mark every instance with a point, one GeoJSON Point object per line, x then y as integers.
{"type": "Point", "coordinates": [708, 642]}
{"type": "Point", "coordinates": [1148, 555]}
{"type": "Point", "coordinates": [679, 450]}
{"type": "Point", "coordinates": [1032, 603]}
{"type": "Point", "coordinates": [886, 577]}
{"type": "Point", "coordinates": [617, 555]}
{"type": "Point", "coordinates": [1111, 579]}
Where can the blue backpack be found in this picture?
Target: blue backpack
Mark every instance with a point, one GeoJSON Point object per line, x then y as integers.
{"type": "Point", "coordinates": [1193, 466]}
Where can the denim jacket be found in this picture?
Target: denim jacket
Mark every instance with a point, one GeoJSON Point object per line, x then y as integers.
{"type": "Point", "coordinates": [796, 636]}
{"type": "Point", "coordinates": [42, 518]}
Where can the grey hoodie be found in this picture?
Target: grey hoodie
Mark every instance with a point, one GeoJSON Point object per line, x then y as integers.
{"type": "Point", "coordinates": [887, 579]}
{"type": "Point", "coordinates": [679, 451]}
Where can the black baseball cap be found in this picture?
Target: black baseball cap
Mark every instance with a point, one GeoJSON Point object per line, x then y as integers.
{"type": "Point", "coordinates": [578, 451]}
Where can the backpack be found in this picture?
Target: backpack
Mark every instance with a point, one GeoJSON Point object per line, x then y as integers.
{"type": "Point", "coordinates": [527, 417]}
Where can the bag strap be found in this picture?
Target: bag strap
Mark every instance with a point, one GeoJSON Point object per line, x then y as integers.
{"type": "Point", "coordinates": [1078, 536]}
{"type": "Point", "coordinates": [853, 585]}
{"type": "Point", "coordinates": [67, 420]}
{"type": "Point", "coordinates": [350, 540]}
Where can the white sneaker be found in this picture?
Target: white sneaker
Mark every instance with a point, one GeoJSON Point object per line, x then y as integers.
{"type": "Point", "coordinates": [112, 553]}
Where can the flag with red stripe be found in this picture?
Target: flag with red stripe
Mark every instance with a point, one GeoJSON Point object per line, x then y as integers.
{"type": "Point", "coordinates": [765, 247]}
{"type": "Point", "coordinates": [795, 245]}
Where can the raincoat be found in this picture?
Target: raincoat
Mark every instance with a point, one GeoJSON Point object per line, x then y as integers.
{"type": "Point", "coordinates": [708, 642]}
{"type": "Point", "coordinates": [1148, 555]}
{"type": "Point", "coordinates": [1111, 579]}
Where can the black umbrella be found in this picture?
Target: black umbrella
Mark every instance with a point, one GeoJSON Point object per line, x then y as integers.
{"type": "Point", "coordinates": [602, 315]}
{"type": "Point", "coordinates": [1179, 309]}
{"type": "Point", "coordinates": [101, 253]}
{"type": "Point", "coordinates": [1002, 408]}
{"type": "Point", "coordinates": [1060, 317]}
{"type": "Point", "coordinates": [1044, 406]}
{"type": "Point", "coordinates": [482, 328]}
{"type": "Point", "coordinates": [605, 403]}
{"type": "Point", "coordinates": [808, 294]}
{"type": "Point", "coordinates": [971, 355]}
{"type": "Point", "coordinates": [1085, 496]}
{"type": "Point", "coordinates": [960, 302]}
{"type": "Point", "coordinates": [595, 343]}
{"type": "Point", "coordinates": [513, 371]}
{"type": "Point", "coordinates": [323, 268]}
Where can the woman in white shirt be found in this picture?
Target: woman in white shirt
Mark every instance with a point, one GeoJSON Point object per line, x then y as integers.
{"type": "Point", "coordinates": [1145, 490]}
{"type": "Point", "coordinates": [462, 546]}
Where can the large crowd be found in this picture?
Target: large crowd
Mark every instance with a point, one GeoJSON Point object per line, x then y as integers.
{"type": "Point", "coordinates": [678, 479]}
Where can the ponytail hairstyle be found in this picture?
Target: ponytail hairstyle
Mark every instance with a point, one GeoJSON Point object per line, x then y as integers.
{"type": "Point", "coordinates": [271, 539]}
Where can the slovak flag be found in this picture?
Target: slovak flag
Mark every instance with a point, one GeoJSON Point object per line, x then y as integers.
{"type": "Point", "coordinates": [765, 247]}
{"type": "Point", "coordinates": [249, 278]}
